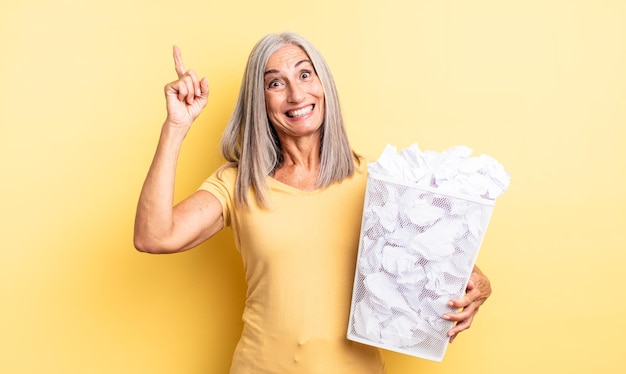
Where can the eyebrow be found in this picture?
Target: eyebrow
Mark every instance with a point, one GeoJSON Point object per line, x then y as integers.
{"type": "Point", "coordinates": [273, 71]}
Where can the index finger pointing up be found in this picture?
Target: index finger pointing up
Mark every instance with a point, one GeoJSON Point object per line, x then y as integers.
{"type": "Point", "coordinates": [178, 62]}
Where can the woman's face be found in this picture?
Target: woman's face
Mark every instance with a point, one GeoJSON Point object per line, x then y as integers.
{"type": "Point", "coordinates": [294, 97]}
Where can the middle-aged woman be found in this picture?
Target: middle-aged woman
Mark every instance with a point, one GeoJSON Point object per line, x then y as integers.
{"type": "Point", "coordinates": [292, 191]}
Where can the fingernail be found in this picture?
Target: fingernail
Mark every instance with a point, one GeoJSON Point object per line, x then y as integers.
{"type": "Point", "coordinates": [198, 92]}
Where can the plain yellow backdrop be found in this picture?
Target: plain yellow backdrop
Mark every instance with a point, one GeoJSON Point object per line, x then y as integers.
{"type": "Point", "coordinates": [540, 85]}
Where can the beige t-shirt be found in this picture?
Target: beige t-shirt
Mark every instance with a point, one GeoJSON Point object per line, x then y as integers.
{"type": "Point", "coordinates": [299, 258]}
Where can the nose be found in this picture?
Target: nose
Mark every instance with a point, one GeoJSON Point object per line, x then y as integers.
{"type": "Point", "coordinates": [295, 93]}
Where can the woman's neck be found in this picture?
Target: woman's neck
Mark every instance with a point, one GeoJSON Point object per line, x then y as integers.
{"type": "Point", "coordinates": [301, 163]}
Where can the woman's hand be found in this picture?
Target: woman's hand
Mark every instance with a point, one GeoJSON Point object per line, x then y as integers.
{"type": "Point", "coordinates": [185, 97]}
{"type": "Point", "coordinates": [477, 292]}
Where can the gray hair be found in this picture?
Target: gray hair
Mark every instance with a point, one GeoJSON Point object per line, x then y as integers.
{"type": "Point", "coordinates": [249, 141]}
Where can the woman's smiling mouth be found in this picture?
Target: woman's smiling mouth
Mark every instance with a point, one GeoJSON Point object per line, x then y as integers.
{"type": "Point", "coordinates": [300, 112]}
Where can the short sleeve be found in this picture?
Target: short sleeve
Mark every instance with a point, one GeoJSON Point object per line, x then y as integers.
{"type": "Point", "coordinates": [221, 184]}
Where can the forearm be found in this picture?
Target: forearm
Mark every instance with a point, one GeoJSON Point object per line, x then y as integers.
{"type": "Point", "coordinates": [154, 217]}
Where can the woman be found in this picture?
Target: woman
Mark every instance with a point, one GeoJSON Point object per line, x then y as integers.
{"type": "Point", "coordinates": [292, 191]}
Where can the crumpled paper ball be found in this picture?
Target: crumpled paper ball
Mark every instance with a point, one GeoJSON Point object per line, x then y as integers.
{"type": "Point", "coordinates": [453, 170]}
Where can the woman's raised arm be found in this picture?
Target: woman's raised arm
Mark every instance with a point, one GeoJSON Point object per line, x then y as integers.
{"type": "Point", "coordinates": [161, 227]}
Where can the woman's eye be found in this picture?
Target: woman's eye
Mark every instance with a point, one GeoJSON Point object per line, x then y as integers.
{"type": "Point", "coordinates": [273, 84]}
{"type": "Point", "coordinates": [305, 75]}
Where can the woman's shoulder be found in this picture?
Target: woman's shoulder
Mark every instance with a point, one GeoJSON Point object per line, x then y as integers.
{"type": "Point", "coordinates": [223, 177]}
{"type": "Point", "coordinates": [226, 172]}
{"type": "Point", "coordinates": [361, 163]}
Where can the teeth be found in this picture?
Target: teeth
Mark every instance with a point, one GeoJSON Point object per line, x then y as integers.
{"type": "Point", "coordinates": [300, 112]}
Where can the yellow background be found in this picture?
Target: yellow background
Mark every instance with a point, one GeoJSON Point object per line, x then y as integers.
{"type": "Point", "coordinates": [540, 85]}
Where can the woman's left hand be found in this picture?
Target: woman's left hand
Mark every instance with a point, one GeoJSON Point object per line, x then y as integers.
{"type": "Point", "coordinates": [477, 292]}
